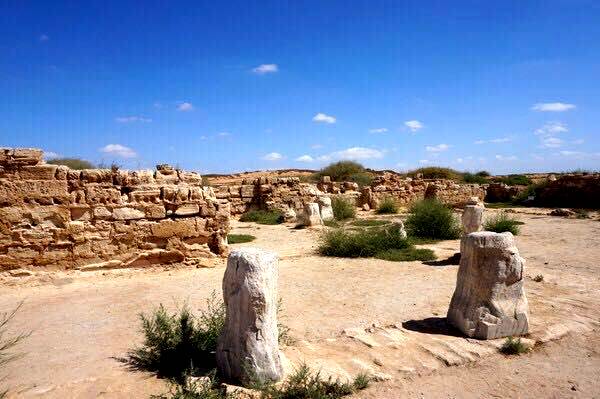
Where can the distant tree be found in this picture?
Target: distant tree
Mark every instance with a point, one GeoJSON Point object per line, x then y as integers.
{"type": "Point", "coordinates": [73, 163]}
{"type": "Point", "coordinates": [346, 171]}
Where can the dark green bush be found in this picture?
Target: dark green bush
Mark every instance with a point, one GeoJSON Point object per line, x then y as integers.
{"type": "Point", "coordinates": [436, 172]}
{"type": "Point", "coordinates": [387, 206]}
{"type": "Point", "coordinates": [406, 254]}
{"type": "Point", "coordinates": [513, 347]}
{"type": "Point", "coordinates": [73, 163]}
{"type": "Point", "coordinates": [178, 344]}
{"type": "Point", "coordinates": [474, 178]}
{"type": "Point", "coordinates": [502, 222]}
{"type": "Point", "coordinates": [483, 173]}
{"type": "Point", "coordinates": [363, 243]}
{"type": "Point", "coordinates": [262, 217]}
{"type": "Point", "coordinates": [514, 180]}
{"type": "Point", "coordinates": [431, 219]}
{"type": "Point", "coordinates": [342, 170]}
{"type": "Point", "coordinates": [342, 208]}
{"type": "Point", "coordinates": [239, 238]}
{"type": "Point", "coordinates": [369, 223]}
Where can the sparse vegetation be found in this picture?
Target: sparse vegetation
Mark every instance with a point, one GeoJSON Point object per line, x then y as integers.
{"type": "Point", "coordinates": [239, 238]}
{"type": "Point", "coordinates": [346, 171]}
{"type": "Point", "coordinates": [582, 214]}
{"type": "Point", "coordinates": [332, 223]}
{"type": "Point", "coordinates": [192, 389]}
{"type": "Point", "coordinates": [7, 343]}
{"type": "Point", "coordinates": [206, 181]}
{"type": "Point", "coordinates": [474, 178]}
{"type": "Point", "coordinates": [483, 173]}
{"type": "Point", "coordinates": [539, 278]}
{"type": "Point", "coordinates": [387, 206]}
{"type": "Point", "coordinates": [363, 243]}
{"type": "Point", "coordinates": [369, 222]}
{"type": "Point", "coordinates": [514, 180]}
{"type": "Point", "coordinates": [342, 208]}
{"type": "Point", "coordinates": [73, 163]}
{"type": "Point", "coordinates": [306, 384]}
{"type": "Point", "coordinates": [501, 223]}
{"type": "Point", "coordinates": [407, 254]}
{"type": "Point", "coordinates": [262, 217]}
{"type": "Point", "coordinates": [436, 172]}
{"type": "Point", "coordinates": [431, 219]}
{"type": "Point", "coordinates": [513, 347]}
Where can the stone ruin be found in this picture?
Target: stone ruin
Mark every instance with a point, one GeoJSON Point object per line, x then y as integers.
{"type": "Point", "coordinates": [102, 218]}
{"type": "Point", "coordinates": [489, 301]}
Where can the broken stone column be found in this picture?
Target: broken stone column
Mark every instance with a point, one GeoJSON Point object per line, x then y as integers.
{"type": "Point", "coordinates": [489, 300]}
{"type": "Point", "coordinates": [248, 346]}
{"type": "Point", "coordinates": [326, 208]}
{"type": "Point", "coordinates": [311, 216]}
{"type": "Point", "coordinates": [472, 218]}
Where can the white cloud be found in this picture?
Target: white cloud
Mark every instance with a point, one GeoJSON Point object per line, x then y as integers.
{"type": "Point", "coordinates": [571, 153]}
{"type": "Point", "coordinates": [185, 107]}
{"type": "Point", "coordinates": [130, 119]}
{"type": "Point", "coordinates": [506, 158]}
{"type": "Point", "coordinates": [551, 142]}
{"type": "Point", "coordinates": [223, 134]}
{"type": "Point", "coordinates": [413, 125]}
{"type": "Point", "coordinates": [552, 107]}
{"type": "Point", "coordinates": [44, 38]}
{"type": "Point", "coordinates": [272, 156]}
{"type": "Point", "coordinates": [437, 148]}
{"type": "Point", "coordinates": [357, 153]}
{"type": "Point", "coordinates": [424, 161]}
{"type": "Point", "coordinates": [378, 130]}
{"type": "Point", "coordinates": [265, 68]}
{"type": "Point", "coordinates": [501, 140]}
{"type": "Point", "coordinates": [459, 160]}
{"type": "Point", "coordinates": [305, 158]}
{"type": "Point", "coordinates": [479, 142]}
{"type": "Point", "coordinates": [321, 117]}
{"type": "Point", "coordinates": [118, 150]}
{"type": "Point", "coordinates": [551, 128]}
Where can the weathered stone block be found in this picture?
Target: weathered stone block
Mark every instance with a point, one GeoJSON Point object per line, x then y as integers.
{"type": "Point", "coordinates": [175, 228]}
{"type": "Point", "coordinates": [326, 208]}
{"type": "Point", "coordinates": [127, 213]}
{"type": "Point", "coordinates": [472, 218]}
{"type": "Point", "coordinates": [38, 172]}
{"type": "Point", "coordinates": [489, 300]}
{"type": "Point", "coordinates": [311, 215]}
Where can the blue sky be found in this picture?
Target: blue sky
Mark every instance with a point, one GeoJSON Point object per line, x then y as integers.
{"type": "Point", "coordinates": [229, 86]}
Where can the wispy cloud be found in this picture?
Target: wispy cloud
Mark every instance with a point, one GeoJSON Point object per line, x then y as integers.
{"type": "Point", "coordinates": [185, 107]}
{"type": "Point", "coordinates": [551, 142]}
{"type": "Point", "coordinates": [323, 118]}
{"type": "Point", "coordinates": [43, 38]}
{"type": "Point", "coordinates": [272, 156]}
{"type": "Point", "coordinates": [223, 134]}
{"type": "Point", "coordinates": [437, 148]}
{"type": "Point", "coordinates": [378, 130]}
{"type": "Point", "coordinates": [424, 161]}
{"type": "Point", "coordinates": [571, 153]}
{"type": "Point", "coordinates": [506, 157]}
{"type": "Point", "coordinates": [494, 141]}
{"type": "Point", "coordinates": [305, 158]}
{"type": "Point", "coordinates": [552, 107]}
{"type": "Point", "coordinates": [414, 125]}
{"type": "Point", "coordinates": [118, 150]}
{"type": "Point", "coordinates": [265, 68]}
{"type": "Point", "coordinates": [357, 153]}
{"type": "Point", "coordinates": [130, 119]}
{"type": "Point", "coordinates": [551, 128]}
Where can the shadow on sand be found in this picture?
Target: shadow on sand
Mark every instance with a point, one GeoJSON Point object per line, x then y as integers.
{"type": "Point", "coordinates": [432, 325]}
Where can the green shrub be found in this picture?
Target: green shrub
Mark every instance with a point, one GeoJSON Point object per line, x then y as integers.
{"type": "Point", "coordinates": [387, 206]}
{"type": "Point", "coordinates": [305, 384]}
{"type": "Point", "coordinates": [362, 179]}
{"type": "Point", "coordinates": [474, 178]}
{"type": "Point", "coordinates": [342, 208]}
{"type": "Point", "coordinates": [483, 173]}
{"type": "Point", "coordinates": [539, 278]}
{"type": "Point", "coordinates": [436, 172]}
{"type": "Point", "coordinates": [369, 223]}
{"type": "Point", "coordinates": [262, 217]}
{"type": "Point", "coordinates": [193, 389]}
{"type": "Point", "coordinates": [7, 343]}
{"type": "Point", "coordinates": [342, 170]}
{"type": "Point", "coordinates": [179, 343]}
{"type": "Point", "coordinates": [502, 222]}
{"type": "Point", "coordinates": [513, 347]}
{"type": "Point", "coordinates": [431, 219]}
{"type": "Point", "coordinates": [406, 254]}
{"type": "Point", "coordinates": [332, 223]}
{"type": "Point", "coordinates": [514, 180]}
{"type": "Point", "coordinates": [73, 163]}
{"type": "Point", "coordinates": [239, 238]}
{"type": "Point", "coordinates": [362, 243]}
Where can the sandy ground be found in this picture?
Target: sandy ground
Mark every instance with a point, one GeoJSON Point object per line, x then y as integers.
{"type": "Point", "coordinates": [347, 316]}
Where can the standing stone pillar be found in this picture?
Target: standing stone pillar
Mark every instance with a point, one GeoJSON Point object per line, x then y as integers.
{"type": "Point", "coordinates": [248, 346]}
{"type": "Point", "coordinates": [311, 215]}
{"type": "Point", "coordinates": [472, 218]}
{"type": "Point", "coordinates": [326, 208]}
{"type": "Point", "coordinates": [489, 300]}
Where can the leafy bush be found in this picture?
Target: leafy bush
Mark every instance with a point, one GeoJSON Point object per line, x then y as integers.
{"type": "Point", "coordinates": [483, 173]}
{"type": "Point", "coordinates": [369, 223]}
{"type": "Point", "coordinates": [406, 254]}
{"type": "Point", "coordinates": [474, 178]}
{"type": "Point", "coordinates": [362, 243]}
{"type": "Point", "coordinates": [7, 343]}
{"type": "Point", "coordinates": [73, 163]}
{"type": "Point", "coordinates": [513, 347]}
{"type": "Point", "coordinates": [342, 170]}
{"type": "Point", "coordinates": [387, 206]}
{"type": "Point", "coordinates": [362, 179]}
{"type": "Point", "coordinates": [239, 238]}
{"type": "Point", "coordinates": [179, 343]}
{"type": "Point", "coordinates": [539, 278]}
{"type": "Point", "coordinates": [342, 208]}
{"type": "Point", "coordinates": [502, 222]}
{"type": "Point", "coordinates": [514, 180]}
{"type": "Point", "coordinates": [331, 223]}
{"type": "Point", "coordinates": [262, 217]}
{"type": "Point", "coordinates": [436, 172]}
{"type": "Point", "coordinates": [431, 219]}
{"type": "Point", "coordinates": [305, 384]}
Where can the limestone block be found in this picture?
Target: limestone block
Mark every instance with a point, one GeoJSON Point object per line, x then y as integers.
{"type": "Point", "coordinates": [489, 301]}
{"type": "Point", "coordinates": [247, 191]}
{"type": "Point", "coordinates": [399, 224]}
{"type": "Point", "coordinates": [25, 156]}
{"type": "Point", "coordinates": [311, 215]}
{"type": "Point", "coordinates": [165, 174]}
{"type": "Point", "coordinates": [289, 215]}
{"type": "Point", "coordinates": [96, 194]}
{"type": "Point", "coordinates": [44, 192]}
{"type": "Point", "coordinates": [472, 218]}
{"type": "Point", "coordinates": [190, 177]}
{"type": "Point", "coordinates": [187, 209]}
{"type": "Point", "coordinates": [171, 228]}
{"type": "Point", "coordinates": [97, 176]}
{"type": "Point", "coordinates": [154, 211]}
{"type": "Point", "coordinates": [326, 208]}
{"type": "Point", "coordinates": [38, 172]}
{"type": "Point", "coordinates": [155, 257]}
{"type": "Point", "coordinates": [248, 345]}
{"type": "Point", "coordinates": [145, 196]}
{"type": "Point", "coordinates": [127, 213]}
{"type": "Point", "coordinates": [81, 212]}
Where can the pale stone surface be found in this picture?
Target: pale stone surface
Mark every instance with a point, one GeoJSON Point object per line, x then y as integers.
{"type": "Point", "coordinates": [397, 222]}
{"type": "Point", "coordinates": [248, 346]}
{"type": "Point", "coordinates": [489, 300]}
{"type": "Point", "coordinates": [311, 216]}
{"type": "Point", "coordinates": [326, 208]}
{"type": "Point", "coordinates": [472, 218]}
{"type": "Point", "coordinates": [289, 215]}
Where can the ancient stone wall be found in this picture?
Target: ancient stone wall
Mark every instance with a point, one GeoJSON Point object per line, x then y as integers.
{"type": "Point", "coordinates": [577, 191]}
{"type": "Point", "coordinates": [55, 216]}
